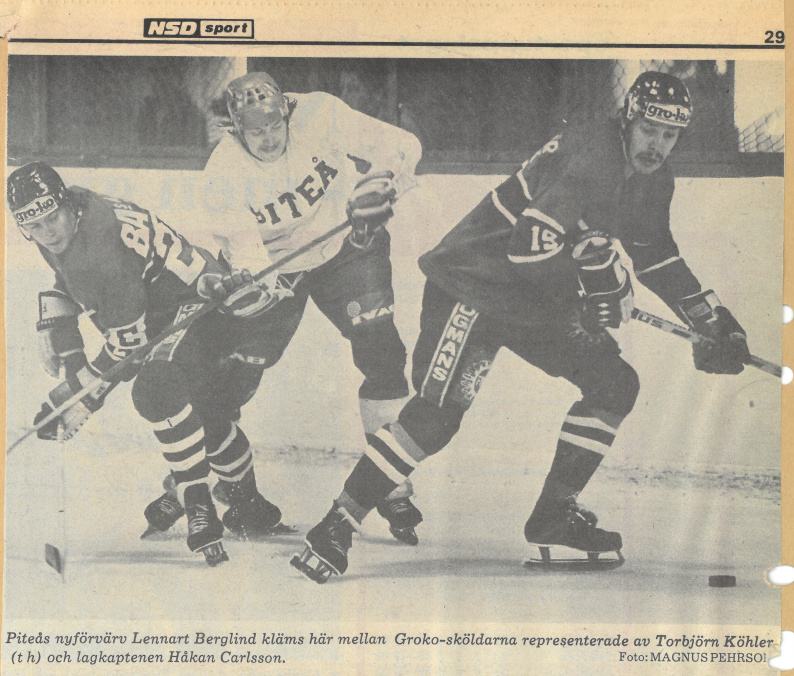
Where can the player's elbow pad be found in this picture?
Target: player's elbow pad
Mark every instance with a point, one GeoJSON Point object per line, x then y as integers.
{"type": "Point", "coordinates": [59, 337]}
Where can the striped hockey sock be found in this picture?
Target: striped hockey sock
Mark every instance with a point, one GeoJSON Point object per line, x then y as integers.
{"type": "Point", "coordinates": [182, 437]}
{"type": "Point", "coordinates": [229, 453]}
{"type": "Point", "coordinates": [391, 455]}
{"type": "Point", "coordinates": [586, 435]}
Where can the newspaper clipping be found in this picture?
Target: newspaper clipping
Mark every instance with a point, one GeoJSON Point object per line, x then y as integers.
{"type": "Point", "coordinates": [393, 338]}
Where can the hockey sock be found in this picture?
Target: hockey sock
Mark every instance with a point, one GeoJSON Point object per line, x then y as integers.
{"type": "Point", "coordinates": [182, 437]}
{"type": "Point", "coordinates": [391, 455]}
{"type": "Point", "coordinates": [586, 435]}
{"type": "Point", "coordinates": [229, 452]}
{"type": "Point", "coordinates": [375, 413]}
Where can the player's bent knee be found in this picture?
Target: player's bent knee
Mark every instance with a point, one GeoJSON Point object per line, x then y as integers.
{"type": "Point", "coordinates": [159, 391]}
{"type": "Point", "coordinates": [616, 392]}
{"type": "Point", "coordinates": [379, 353]}
{"type": "Point", "coordinates": [430, 427]}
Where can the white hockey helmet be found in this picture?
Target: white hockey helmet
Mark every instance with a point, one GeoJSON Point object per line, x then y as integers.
{"type": "Point", "coordinates": [255, 99]}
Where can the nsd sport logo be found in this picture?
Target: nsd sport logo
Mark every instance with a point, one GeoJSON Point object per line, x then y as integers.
{"type": "Point", "coordinates": [199, 29]}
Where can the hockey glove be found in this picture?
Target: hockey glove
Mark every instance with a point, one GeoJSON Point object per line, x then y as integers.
{"type": "Point", "coordinates": [591, 342]}
{"type": "Point", "coordinates": [725, 348]}
{"type": "Point", "coordinates": [59, 338]}
{"type": "Point", "coordinates": [240, 295]}
{"type": "Point", "coordinates": [73, 418]}
{"type": "Point", "coordinates": [369, 207]}
{"type": "Point", "coordinates": [605, 284]}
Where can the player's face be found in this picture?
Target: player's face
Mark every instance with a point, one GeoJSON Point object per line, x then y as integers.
{"type": "Point", "coordinates": [268, 141]}
{"type": "Point", "coordinates": [54, 231]}
{"type": "Point", "coordinates": [649, 144]}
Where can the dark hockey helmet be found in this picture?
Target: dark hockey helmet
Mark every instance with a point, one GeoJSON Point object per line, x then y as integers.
{"type": "Point", "coordinates": [34, 191]}
{"type": "Point", "coordinates": [659, 97]}
{"type": "Point", "coordinates": [255, 99]}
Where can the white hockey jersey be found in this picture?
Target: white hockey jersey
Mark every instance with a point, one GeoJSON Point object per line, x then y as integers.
{"type": "Point", "coordinates": [257, 212]}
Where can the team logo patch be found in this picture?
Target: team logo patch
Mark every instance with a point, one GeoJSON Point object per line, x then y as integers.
{"type": "Point", "coordinates": [477, 367]}
{"type": "Point", "coordinates": [353, 309]}
{"type": "Point", "coordinates": [38, 208]}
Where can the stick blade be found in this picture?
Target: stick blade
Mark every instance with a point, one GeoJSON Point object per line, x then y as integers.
{"type": "Point", "coordinates": [54, 558]}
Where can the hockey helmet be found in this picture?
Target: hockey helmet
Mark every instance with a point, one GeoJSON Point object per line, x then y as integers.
{"type": "Point", "coordinates": [34, 191]}
{"type": "Point", "coordinates": [658, 97]}
{"type": "Point", "coordinates": [255, 99]}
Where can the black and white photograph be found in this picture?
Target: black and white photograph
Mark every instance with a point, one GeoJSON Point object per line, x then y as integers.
{"type": "Point", "coordinates": [392, 364]}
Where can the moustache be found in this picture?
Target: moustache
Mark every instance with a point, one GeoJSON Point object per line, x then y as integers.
{"type": "Point", "coordinates": [650, 156]}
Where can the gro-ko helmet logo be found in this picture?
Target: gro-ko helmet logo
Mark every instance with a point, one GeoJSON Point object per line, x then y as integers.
{"type": "Point", "coordinates": [36, 209]}
{"type": "Point", "coordinates": [670, 114]}
{"type": "Point", "coordinates": [199, 29]}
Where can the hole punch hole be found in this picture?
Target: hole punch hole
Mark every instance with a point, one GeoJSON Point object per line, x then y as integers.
{"type": "Point", "coordinates": [788, 314]}
{"type": "Point", "coordinates": [787, 375]}
{"type": "Point", "coordinates": [780, 575]}
{"type": "Point", "coordinates": [785, 660]}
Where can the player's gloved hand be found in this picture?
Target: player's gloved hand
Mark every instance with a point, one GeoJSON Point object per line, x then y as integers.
{"type": "Point", "coordinates": [725, 348]}
{"type": "Point", "coordinates": [73, 418]}
{"type": "Point", "coordinates": [591, 341]}
{"type": "Point", "coordinates": [605, 283]}
{"type": "Point", "coordinates": [59, 339]}
{"type": "Point", "coordinates": [241, 296]}
{"type": "Point", "coordinates": [369, 207]}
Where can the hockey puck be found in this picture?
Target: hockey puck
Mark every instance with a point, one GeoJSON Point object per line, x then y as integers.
{"type": "Point", "coordinates": [722, 580]}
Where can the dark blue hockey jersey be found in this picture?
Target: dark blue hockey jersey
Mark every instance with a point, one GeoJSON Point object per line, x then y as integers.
{"type": "Point", "coordinates": [511, 256]}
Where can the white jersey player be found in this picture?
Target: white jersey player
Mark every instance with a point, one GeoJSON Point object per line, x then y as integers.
{"type": "Point", "coordinates": [294, 167]}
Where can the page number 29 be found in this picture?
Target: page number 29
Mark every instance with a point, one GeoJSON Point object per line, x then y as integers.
{"type": "Point", "coordinates": [774, 37]}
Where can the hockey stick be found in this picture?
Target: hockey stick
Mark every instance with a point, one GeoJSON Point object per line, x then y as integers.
{"type": "Point", "coordinates": [54, 556]}
{"type": "Point", "coordinates": [694, 337]}
{"type": "Point", "coordinates": [144, 349]}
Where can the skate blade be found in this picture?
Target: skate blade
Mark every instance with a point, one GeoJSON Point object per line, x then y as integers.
{"type": "Point", "coordinates": [407, 536]}
{"type": "Point", "coordinates": [591, 563]}
{"type": "Point", "coordinates": [262, 535]}
{"type": "Point", "coordinates": [214, 554]}
{"type": "Point", "coordinates": [320, 572]}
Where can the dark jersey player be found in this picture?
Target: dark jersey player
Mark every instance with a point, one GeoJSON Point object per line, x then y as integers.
{"type": "Point", "coordinates": [134, 276]}
{"type": "Point", "coordinates": [533, 268]}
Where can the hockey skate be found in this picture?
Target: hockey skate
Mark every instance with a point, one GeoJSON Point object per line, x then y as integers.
{"type": "Point", "coordinates": [403, 517]}
{"type": "Point", "coordinates": [327, 545]}
{"type": "Point", "coordinates": [568, 524]}
{"type": "Point", "coordinates": [205, 529]}
{"type": "Point", "coordinates": [161, 514]}
{"type": "Point", "coordinates": [250, 516]}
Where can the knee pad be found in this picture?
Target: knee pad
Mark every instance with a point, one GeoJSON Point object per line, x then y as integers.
{"type": "Point", "coordinates": [614, 389]}
{"type": "Point", "coordinates": [430, 427]}
{"type": "Point", "coordinates": [159, 391]}
{"type": "Point", "coordinates": [379, 353]}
